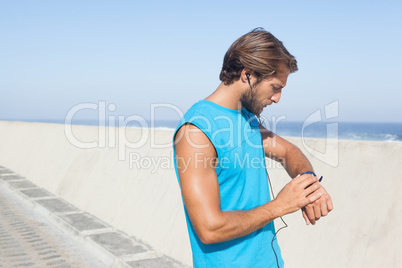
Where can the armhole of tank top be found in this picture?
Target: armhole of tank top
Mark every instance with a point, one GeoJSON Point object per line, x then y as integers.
{"type": "Point", "coordinates": [195, 124]}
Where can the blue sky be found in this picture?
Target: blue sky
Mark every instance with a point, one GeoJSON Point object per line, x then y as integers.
{"type": "Point", "coordinates": [57, 54]}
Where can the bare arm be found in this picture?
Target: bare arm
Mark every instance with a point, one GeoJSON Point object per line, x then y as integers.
{"type": "Point", "coordinates": [279, 149]}
{"type": "Point", "coordinates": [295, 163]}
{"type": "Point", "coordinates": [196, 159]}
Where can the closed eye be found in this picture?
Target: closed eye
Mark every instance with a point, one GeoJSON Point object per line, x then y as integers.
{"type": "Point", "coordinates": [277, 89]}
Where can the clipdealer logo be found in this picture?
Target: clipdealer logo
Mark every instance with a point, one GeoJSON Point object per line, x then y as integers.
{"type": "Point", "coordinates": [112, 129]}
{"type": "Point", "coordinates": [330, 154]}
{"type": "Point", "coordinates": [112, 133]}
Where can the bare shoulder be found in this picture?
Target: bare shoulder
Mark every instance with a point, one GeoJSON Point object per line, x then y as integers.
{"type": "Point", "coordinates": [192, 146]}
{"type": "Point", "coordinates": [190, 139]}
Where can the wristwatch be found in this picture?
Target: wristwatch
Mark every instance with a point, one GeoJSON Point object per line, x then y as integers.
{"type": "Point", "coordinates": [312, 173]}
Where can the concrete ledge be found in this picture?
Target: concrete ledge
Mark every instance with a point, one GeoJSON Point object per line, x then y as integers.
{"type": "Point", "coordinates": [36, 193]}
{"type": "Point", "coordinates": [108, 181]}
{"type": "Point", "coordinates": [111, 246]}
{"type": "Point", "coordinates": [118, 184]}
{"type": "Point", "coordinates": [83, 222]}
{"type": "Point", "coordinates": [22, 184]}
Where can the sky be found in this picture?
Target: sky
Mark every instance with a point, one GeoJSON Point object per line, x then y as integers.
{"type": "Point", "coordinates": [154, 59]}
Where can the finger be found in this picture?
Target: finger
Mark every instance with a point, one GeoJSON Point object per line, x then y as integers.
{"type": "Point", "coordinates": [311, 189]}
{"type": "Point", "coordinates": [313, 197]}
{"type": "Point", "coordinates": [310, 214]}
{"type": "Point", "coordinates": [305, 217]}
{"type": "Point", "coordinates": [328, 200]}
{"type": "Point", "coordinates": [324, 209]}
{"type": "Point", "coordinates": [330, 206]}
{"type": "Point", "coordinates": [300, 178]}
{"type": "Point", "coordinates": [317, 210]}
{"type": "Point", "coordinates": [307, 180]}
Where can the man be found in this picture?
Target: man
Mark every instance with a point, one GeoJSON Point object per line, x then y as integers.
{"type": "Point", "coordinates": [220, 149]}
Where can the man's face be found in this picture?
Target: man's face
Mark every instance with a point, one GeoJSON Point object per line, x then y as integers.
{"type": "Point", "coordinates": [256, 98]}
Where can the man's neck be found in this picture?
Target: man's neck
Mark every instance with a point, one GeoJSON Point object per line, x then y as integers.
{"type": "Point", "coordinates": [227, 96]}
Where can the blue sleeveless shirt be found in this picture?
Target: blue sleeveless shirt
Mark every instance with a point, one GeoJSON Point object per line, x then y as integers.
{"type": "Point", "coordinates": [243, 185]}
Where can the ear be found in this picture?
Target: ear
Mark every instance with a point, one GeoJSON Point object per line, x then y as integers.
{"type": "Point", "coordinates": [244, 73]}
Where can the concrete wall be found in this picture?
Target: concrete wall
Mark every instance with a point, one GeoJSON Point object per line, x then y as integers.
{"type": "Point", "coordinates": [135, 190]}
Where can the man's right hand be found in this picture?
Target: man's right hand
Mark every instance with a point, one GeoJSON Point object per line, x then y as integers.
{"type": "Point", "coordinates": [298, 193]}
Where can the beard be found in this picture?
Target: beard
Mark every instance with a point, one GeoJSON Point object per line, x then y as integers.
{"type": "Point", "coordinates": [251, 103]}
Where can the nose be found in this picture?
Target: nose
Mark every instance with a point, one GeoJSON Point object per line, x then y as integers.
{"type": "Point", "coordinates": [276, 97]}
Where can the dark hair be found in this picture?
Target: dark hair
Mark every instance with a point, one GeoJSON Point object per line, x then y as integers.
{"type": "Point", "coordinates": [259, 51]}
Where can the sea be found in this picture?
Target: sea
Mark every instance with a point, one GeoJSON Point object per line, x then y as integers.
{"type": "Point", "coordinates": [375, 131]}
